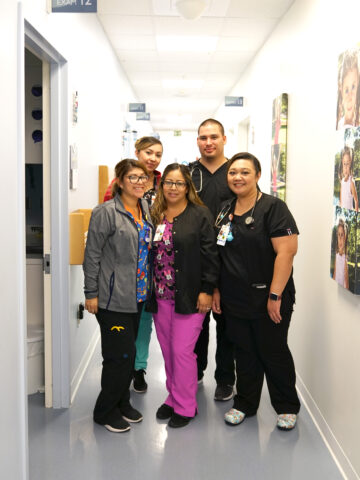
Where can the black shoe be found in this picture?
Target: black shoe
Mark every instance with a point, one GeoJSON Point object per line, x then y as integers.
{"type": "Point", "coordinates": [223, 393]}
{"type": "Point", "coordinates": [115, 424]}
{"type": "Point", "coordinates": [139, 384]}
{"type": "Point", "coordinates": [178, 421]}
{"type": "Point", "coordinates": [164, 412]}
{"type": "Point", "coordinates": [130, 414]}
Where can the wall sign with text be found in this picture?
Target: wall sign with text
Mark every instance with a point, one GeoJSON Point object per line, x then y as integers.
{"type": "Point", "coordinates": [74, 6]}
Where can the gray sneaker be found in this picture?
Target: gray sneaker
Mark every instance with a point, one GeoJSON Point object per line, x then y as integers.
{"type": "Point", "coordinates": [223, 393]}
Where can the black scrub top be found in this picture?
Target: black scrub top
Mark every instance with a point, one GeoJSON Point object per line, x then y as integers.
{"type": "Point", "coordinates": [247, 262]}
{"type": "Point", "coordinates": [212, 188]}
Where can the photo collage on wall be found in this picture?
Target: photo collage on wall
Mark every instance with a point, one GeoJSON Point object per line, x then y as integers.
{"type": "Point", "coordinates": [278, 146]}
{"type": "Point", "coordinates": [344, 264]}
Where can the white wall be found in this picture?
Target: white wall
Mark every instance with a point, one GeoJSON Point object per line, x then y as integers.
{"type": "Point", "coordinates": [13, 438]}
{"type": "Point", "coordinates": [300, 58]}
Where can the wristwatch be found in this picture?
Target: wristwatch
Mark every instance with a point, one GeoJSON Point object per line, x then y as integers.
{"type": "Point", "coordinates": [274, 296]}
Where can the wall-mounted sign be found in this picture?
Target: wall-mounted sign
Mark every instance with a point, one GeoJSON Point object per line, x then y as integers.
{"type": "Point", "coordinates": [177, 133]}
{"type": "Point", "coordinates": [234, 101]}
{"type": "Point", "coordinates": [137, 107]}
{"type": "Point", "coordinates": [142, 116]}
{"type": "Point", "coordinates": [74, 6]}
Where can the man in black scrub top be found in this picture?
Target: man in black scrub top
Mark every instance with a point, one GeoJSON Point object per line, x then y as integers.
{"type": "Point", "coordinates": [209, 177]}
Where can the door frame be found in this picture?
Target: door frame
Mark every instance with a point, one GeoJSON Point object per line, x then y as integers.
{"type": "Point", "coordinates": [59, 181]}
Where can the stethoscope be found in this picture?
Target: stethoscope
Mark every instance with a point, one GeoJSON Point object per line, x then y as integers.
{"type": "Point", "coordinates": [201, 178]}
{"type": "Point", "coordinates": [249, 220]}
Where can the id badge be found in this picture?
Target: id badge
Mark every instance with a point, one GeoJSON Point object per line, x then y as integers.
{"type": "Point", "coordinates": [160, 229]}
{"type": "Point", "coordinates": [223, 234]}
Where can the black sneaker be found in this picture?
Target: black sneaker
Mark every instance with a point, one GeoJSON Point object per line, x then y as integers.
{"type": "Point", "coordinates": [164, 412]}
{"type": "Point", "coordinates": [223, 393]}
{"type": "Point", "coordinates": [115, 424]}
{"type": "Point", "coordinates": [130, 414]}
{"type": "Point", "coordinates": [139, 384]}
{"type": "Point", "coordinates": [178, 421]}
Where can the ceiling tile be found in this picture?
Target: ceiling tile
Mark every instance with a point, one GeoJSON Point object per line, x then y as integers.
{"type": "Point", "coordinates": [240, 27]}
{"type": "Point", "coordinates": [125, 7]}
{"type": "Point", "coordinates": [239, 44]}
{"type": "Point", "coordinates": [259, 8]}
{"type": "Point", "coordinates": [192, 68]}
{"type": "Point", "coordinates": [127, 25]}
{"type": "Point", "coordinates": [180, 26]}
{"type": "Point", "coordinates": [230, 58]}
{"type": "Point", "coordinates": [133, 42]}
{"type": "Point", "coordinates": [139, 61]}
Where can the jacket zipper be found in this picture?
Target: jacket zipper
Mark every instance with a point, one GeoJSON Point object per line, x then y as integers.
{"type": "Point", "coordinates": [137, 257]}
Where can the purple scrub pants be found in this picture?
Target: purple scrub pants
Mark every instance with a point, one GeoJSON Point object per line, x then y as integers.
{"type": "Point", "coordinates": [177, 335]}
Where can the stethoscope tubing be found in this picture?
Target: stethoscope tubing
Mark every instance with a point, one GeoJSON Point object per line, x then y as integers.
{"type": "Point", "coordinates": [249, 220]}
{"type": "Point", "coordinates": [201, 178]}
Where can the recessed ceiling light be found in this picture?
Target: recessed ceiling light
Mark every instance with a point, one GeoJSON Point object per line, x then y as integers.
{"type": "Point", "coordinates": [181, 83]}
{"type": "Point", "coordinates": [172, 43]}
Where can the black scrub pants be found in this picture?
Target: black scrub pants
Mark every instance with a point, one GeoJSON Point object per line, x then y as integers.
{"type": "Point", "coordinates": [118, 335]}
{"type": "Point", "coordinates": [261, 349]}
{"type": "Point", "coordinates": [224, 356]}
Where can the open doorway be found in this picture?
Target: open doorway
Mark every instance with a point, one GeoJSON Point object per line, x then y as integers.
{"type": "Point", "coordinates": [243, 135]}
{"type": "Point", "coordinates": [46, 169]}
{"type": "Point", "coordinates": [34, 227]}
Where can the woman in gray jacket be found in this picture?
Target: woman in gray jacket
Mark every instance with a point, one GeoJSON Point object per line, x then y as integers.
{"type": "Point", "coordinates": [116, 274]}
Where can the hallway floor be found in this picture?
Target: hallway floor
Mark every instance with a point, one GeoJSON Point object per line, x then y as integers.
{"type": "Point", "coordinates": [67, 445]}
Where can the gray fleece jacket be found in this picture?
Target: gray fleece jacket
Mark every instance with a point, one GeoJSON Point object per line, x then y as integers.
{"type": "Point", "coordinates": [111, 256]}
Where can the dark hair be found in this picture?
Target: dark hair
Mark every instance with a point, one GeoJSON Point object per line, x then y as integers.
{"type": "Point", "coordinates": [122, 168]}
{"type": "Point", "coordinates": [146, 142]}
{"type": "Point", "coordinates": [160, 204]}
{"type": "Point", "coordinates": [245, 156]}
{"type": "Point", "coordinates": [212, 120]}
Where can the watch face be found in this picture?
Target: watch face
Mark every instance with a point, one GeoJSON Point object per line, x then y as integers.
{"type": "Point", "coordinates": [273, 296]}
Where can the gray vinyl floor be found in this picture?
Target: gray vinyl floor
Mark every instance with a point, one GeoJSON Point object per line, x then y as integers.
{"type": "Point", "coordinates": [67, 445]}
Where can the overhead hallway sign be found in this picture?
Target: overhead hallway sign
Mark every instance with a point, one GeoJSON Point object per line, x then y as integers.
{"type": "Point", "coordinates": [142, 116]}
{"type": "Point", "coordinates": [137, 107]}
{"type": "Point", "coordinates": [234, 101]}
{"type": "Point", "coordinates": [74, 6]}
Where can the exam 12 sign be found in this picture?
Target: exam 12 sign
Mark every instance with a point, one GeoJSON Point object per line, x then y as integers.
{"type": "Point", "coordinates": [74, 6]}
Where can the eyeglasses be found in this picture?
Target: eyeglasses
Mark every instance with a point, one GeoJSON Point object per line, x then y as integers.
{"type": "Point", "coordinates": [136, 179]}
{"type": "Point", "coordinates": [179, 185]}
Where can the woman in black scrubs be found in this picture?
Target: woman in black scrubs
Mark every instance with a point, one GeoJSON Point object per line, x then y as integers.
{"type": "Point", "coordinates": [257, 239]}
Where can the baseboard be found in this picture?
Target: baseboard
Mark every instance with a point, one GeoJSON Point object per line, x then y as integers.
{"type": "Point", "coordinates": [338, 454]}
{"type": "Point", "coordinates": [77, 378]}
